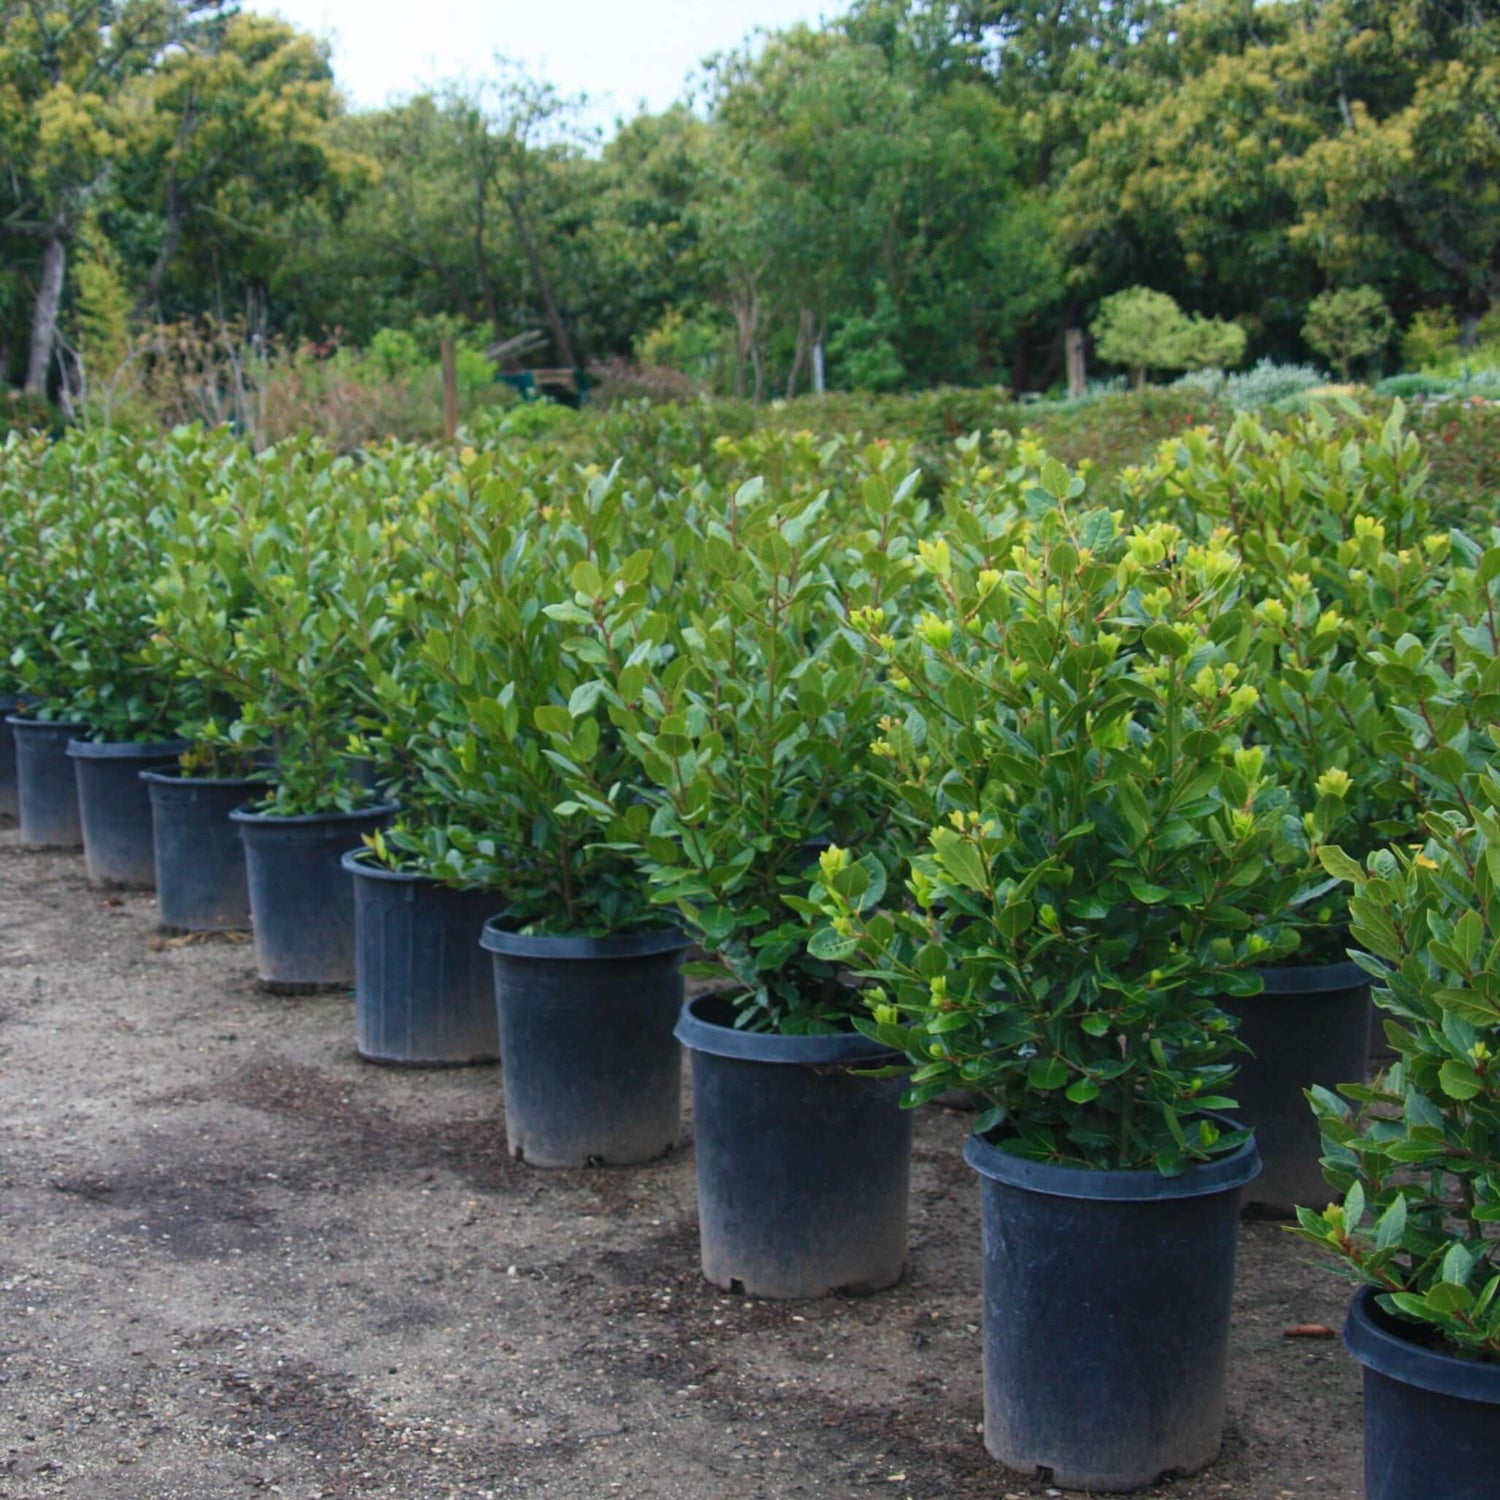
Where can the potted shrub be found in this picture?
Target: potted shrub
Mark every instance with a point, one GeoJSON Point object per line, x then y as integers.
{"type": "Point", "coordinates": [1334, 532]}
{"type": "Point", "coordinates": [587, 980]}
{"type": "Point", "coordinates": [424, 991]}
{"type": "Point", "coordinates": [747, 705]}
{"type": "Point", "coordinates": [306, 529]}
{"type": "Point", "coordinates": [87, 550]}
{"type": "Point", "coordinates": [18, 459]}
{"type": "Point", "coordinates": [46, 788]}
{"type": "Point", "coordinates": [1415, 1156]}
{"type": "Point", "coordinates": [1104, 860]}
{"type": "Point", "coordinates": [199, 599]}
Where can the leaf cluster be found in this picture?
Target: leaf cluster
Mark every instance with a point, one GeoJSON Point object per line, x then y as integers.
{"type": "Point", "coordinates": [1104, 857]}
{"type": "Point", "coordinates": [1415, 1156]}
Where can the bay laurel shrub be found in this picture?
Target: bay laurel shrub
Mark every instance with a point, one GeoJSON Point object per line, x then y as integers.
{"type": "Point", "coordinates": [747, 703]}
{"type": "Point", "coordinates": [86, 525]}
{"type": "Point", "coordinates": [1333, 524]}
{"type": "Point", "coordinates": [496, 701]}
{"type": "Point", "coordinates": [1415, 1156]}
{"type": "Point", "coordinates": [1104, 855]}
{"type": "Point", "coordinates": [264, 604]}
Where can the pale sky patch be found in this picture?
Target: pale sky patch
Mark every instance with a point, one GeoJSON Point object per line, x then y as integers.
{"type": "Point", "coordinates": [623, 54]}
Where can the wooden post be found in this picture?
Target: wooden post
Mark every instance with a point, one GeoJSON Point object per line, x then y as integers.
{"type": "Point", "coordinates": [450, 389]}
{"type": "Point", "coordinates": [1077, 373]}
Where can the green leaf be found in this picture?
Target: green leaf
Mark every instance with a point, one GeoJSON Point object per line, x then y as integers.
{"type": "Point", "coordinates": [949, 1020]}
{"type": "Point", "coordinates": [831, 946]}
{"type": "Point", "coordinates": [1459, 1081]}
{"type": "Point", "coordinates": [961, 860]}
{"type": "Point", "coordinates": [1458, 1265]}
{"type": "Point", "coordinates": [1339, 865]}
{"type": "Point", "coordinates": [1047, 1073]}
{"type": "Point", "coordinates": [1055, 479]}
{"type": "Point", "coordinates": [552, 718]}
{"type": "Point", "coordinates": [1013, 919]}
{"type": "Point", "coordinates": [1391, 1225]}
{"type": "Point", "coordinates": [586, 579]}
{"type": "Point", "coordinates": [1083, 1091]}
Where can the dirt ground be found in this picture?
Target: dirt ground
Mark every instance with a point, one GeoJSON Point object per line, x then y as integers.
{"type": "Point", "coordinates": [235, 1259]}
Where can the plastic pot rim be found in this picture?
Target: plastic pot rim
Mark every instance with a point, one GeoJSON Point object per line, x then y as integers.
{"type": "Point", "coordinates": [357, 862]}
{"type": "Point", "coordinates": [177, 778]}
{"type": "Point", "coordinates": [701, 1035]}
{"type": "Point", "coordinates": [76, 727]}
{"type": "Point", "coordinates": [303, 820]}
{"type": "Point", "coordinates": [1310, 979]}
{"type": "Point", "coordinates": [498, 937]}
{"type": "Point", "coordinates": [1369, 1337]}
{"type": "Point", "coordinates": [1140, 1185]}
{"type": "Point", "coordinates": [81, 749]}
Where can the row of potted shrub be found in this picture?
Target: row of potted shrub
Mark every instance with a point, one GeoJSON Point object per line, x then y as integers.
{"type": "Point", "coordinates": [1103, 754]}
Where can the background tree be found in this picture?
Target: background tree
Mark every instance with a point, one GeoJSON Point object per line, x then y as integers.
{"type": "Point", "coordinates": [1349, 324]}
{"type": "Point", "coordinates": [62, 67]}
{"type": "Point", "coordinates": [1145, 331]}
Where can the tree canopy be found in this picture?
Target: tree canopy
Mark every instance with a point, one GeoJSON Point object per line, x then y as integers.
{"type": "Point", "coordinates": [923, 191]}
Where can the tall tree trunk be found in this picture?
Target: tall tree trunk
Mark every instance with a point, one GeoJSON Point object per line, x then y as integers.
{"type": "Point", "coordinates": [482, 265]}
{"type": "Point", "coordinates": [156, 277]}
{"type": "Point", "coordinates": [534, 259]}
{"type": "Point", "coordinates": [803, 346]}
{"type": "Point", "coordinates": [44, 311]}
{"type": "Point", "coordinates": [746, 309]}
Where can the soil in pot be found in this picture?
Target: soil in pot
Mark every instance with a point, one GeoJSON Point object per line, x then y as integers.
{"type": "Point", "coordinates": [592, 1071]}
{"type": "Point", "coordinates": [301, 898]}
{"type": "Point", "coordinates": [803, 1165]}
{"type": "Point", "coordinates": [424, 993]}
{"type": "Point", "coordinates": [200, 860]}
{"type": "Point", "coordinates": [1106, 1316]}
{"type": "Point", "coordinates": [1432, 1420]}
{"type": "Point", "coordinates": [1309, 1025]}
{"type": "Point", "coordinates": [46, 787]}
{"type": "Point", "coordinates": [114, 808]}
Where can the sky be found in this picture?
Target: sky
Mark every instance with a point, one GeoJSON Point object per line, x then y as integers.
{"type": "Point", "coordinates": [621, 53]}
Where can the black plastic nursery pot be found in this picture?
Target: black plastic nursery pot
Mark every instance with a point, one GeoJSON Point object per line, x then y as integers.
{"type": "Point", "coordinates": [1432, 1420]}
{"type": "Point", "coordinates": [46, 787]}
{"type": "Point", "coordinates": [424, 994]}
{"type": "Point", "coordinates": [114, 808]}
{"type": "Point", "coordinates": [803, 1165]}
{"type": "Point", "coordinates": [592, 1073]}
{"type": "Point", "coordinates": [200, 860]}
{"type": "Point", "coordinates": [10, 805]}
{"type": "Point", "coordinates": [1310, 1025]}
{"type": "Point", "coordinates": [1106, 1315]}
{"type": "Point", "coordinates": [301, 899]}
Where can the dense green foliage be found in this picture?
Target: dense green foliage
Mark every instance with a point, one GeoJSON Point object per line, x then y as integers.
{"type": "Point", "coordinates": [1104, 852]}
{"type": "Point", "coordinates": [927, 191]}
{"type": "Point", "coordinates": [1416, 1154]}
{"type": "Point", "coordinates": [1016, 766]}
